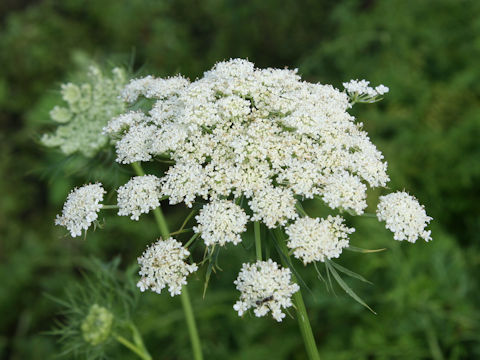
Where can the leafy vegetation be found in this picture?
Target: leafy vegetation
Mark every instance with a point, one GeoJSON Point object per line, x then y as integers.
{"type": "Point", "coordinates": [426, 296]}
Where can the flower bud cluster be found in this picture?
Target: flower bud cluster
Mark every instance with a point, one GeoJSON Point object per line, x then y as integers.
{"type": "Point", "coordinates": [89, 106]}
{"type": "Point", "coordinates": [360, 91]}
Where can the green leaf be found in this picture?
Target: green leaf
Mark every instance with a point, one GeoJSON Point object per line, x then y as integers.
{"type": "Point", "coordinates": [349, 272]}
{"type": "Point", "coordinates": [345, 287]}
{"type": "Point", "coordinates": [329, 279]}
{"type": "Point", "coordinates": [211, 264]}
{"type": "Point", "coordinates": [320, 276]}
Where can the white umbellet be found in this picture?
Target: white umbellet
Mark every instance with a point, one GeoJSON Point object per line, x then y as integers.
{"type": "Point", "coordinates": [162, 264]}
{"type": "Point", "coordinates": [264, 286]}
{"type": "Point", "coordinates": [138, 196]}
{"type": "Point", "coordinates": [81, 208]}
{"type": "Point", "coordinates": [220, 222]}
{"type": "Point", "coordinates": [363, 88]}
{"type": "Point", "coordinates": [314, 239]}
{"type": "Point", "coordinates": [404, 216]}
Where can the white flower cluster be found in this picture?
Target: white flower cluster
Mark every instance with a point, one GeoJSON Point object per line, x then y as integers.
{"type": "Point", "coordinates": [345, 191]}
{"type": "Point", "coordinates": [361, 91]}
{"type": "Point", "coordinates": [362, 87]}
{"type": "Point", "coordinates": [261, 133]}
{"type": "Point", "coordinates": [404, 216]}
{"type": "Point", "coordinates": [221, 221]}
{"type": "Point", "coordinates": [241, 132]}
{"type": "Point", "coordinates": [264, 286]}
{"type": "Point", "coordinates": [314, 239]}
{"type": "Point", "coordinates": [163, 264]}
{"type": "Point", "coordinates": [138, 196]}
{"type": "Point", "coordinates": [81, 208]}
{"type": "Point", "coordinates": [89, 106]}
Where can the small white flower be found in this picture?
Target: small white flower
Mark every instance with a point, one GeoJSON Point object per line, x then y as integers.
{"type": "Point", "coordinates": [264, 286]}
{"type": "Point", "coordinates": [346, 191]}
{"type": "Point", "coordinates": [140, 195]}
{"type": "Point", "coordinates": [183, 182]}
{"type": "Point", "coordinates": [404, 216]}
{"type": "Point", "coordinates": [123, 122]}
{"type": "Point", "coordinates": [81, 208]}
{"type": "Point", "coordinates": [273, 205]}
{"type": "Point", "coordinates": [221, 221]}
{"type": "Point", "coordinates": [136, 144]}
{"type": "Point", "coordinates": [162, 264]}
{"type": "Point", "coordinates": [314, 239]}
{"type": "Point", "coordinates": [382, 89]}
{"type": "Point", "coordinates": [151, 87]}
{"type": "Point", "coordinates": [361, 90]}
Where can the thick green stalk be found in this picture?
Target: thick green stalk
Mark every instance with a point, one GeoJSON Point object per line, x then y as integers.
{"type": "Point", "coordinates": [302, 316]}
{"type": "Point", "coordinates": [258, 240]}
{"type": "Point", "coordinates": [192, 327]}
{"type": "Point", "coordinates": [187, 306]}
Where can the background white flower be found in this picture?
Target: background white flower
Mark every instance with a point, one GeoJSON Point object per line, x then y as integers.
{"type": "Point", "coordinates": [89, 106]}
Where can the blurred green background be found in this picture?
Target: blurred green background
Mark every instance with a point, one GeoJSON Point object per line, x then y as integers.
{"type": "Point", "coordinates": [427, 296]}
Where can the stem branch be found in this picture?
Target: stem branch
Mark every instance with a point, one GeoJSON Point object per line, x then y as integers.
{"type": "Point", "coordinates": [258, 240]}
{"type": "Point", "coordinates": [187, 306]}
{"type": "Point", "coordinates": [132, 347]}
{"type": "Point", "coordinates": [302, 316]}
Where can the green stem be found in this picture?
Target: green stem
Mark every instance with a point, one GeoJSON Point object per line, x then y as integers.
{"type": "Point", "coordinates": [138, 169]}
{"type": "Point", "coordinates": [182, 231]}
{"type": "Point", "coordinates": [258, 240]}
{"type": "Point", "coordinates": [187, 306]}
{"type": "Point", "coordinates": [302, 316]}
{"type": "Point", "coordinates": [161, 223]}
{"type": "Point", "coordinates": [137, 339]}
{"type": "Point", "coordinates": [300, 210]}
{"type": "Point", "coordinates": [132, 347]}
{"type": "Point", "coordinates": [108, 207]}
{"type": "Point", "coordinates": [192, 327]}
{"type": "Point", "coordinates": [305, 327]}
{"type": "Point", "coordinates": [192, 239]}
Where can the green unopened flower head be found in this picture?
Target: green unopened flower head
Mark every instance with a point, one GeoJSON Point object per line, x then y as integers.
{"type": "Point", "coordinates": [88, 107]}
{"type": "Point", "coordinates": [97, 326]}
